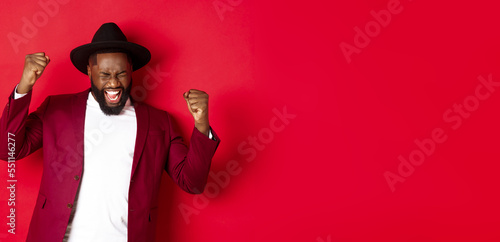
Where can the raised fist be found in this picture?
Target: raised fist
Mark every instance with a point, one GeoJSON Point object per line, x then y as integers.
{"type": "Point", "coordinates": [34, 65]}
{"type": "Point", "coordinates": [197, 102]}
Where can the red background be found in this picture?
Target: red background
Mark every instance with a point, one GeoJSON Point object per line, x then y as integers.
{"type": "Point", "coordinates": [321, 178]}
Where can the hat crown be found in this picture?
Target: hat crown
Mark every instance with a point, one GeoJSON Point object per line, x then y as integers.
{"type": "Point", "coordinates": [109, 32]}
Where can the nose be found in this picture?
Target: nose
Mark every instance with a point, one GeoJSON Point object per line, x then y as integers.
{"type": "Point", "coordinates": [113, 82]}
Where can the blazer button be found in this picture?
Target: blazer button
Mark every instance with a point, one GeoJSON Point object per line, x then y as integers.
{"type": "Point", "coordinates": [131, 180]}
{"type": "Point", "coordinates": [77, 177]}
{"type": "Point", "coordinates": [70, 205]}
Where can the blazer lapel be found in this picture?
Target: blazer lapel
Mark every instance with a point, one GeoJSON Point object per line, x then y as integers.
{"type": "Point", "coordinates": [142, 116]}
{"type": "Point", "coordinates": [78, 112]}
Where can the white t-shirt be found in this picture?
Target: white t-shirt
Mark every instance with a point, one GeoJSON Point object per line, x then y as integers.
{"type": "Point", "coordinates": [102, 210]}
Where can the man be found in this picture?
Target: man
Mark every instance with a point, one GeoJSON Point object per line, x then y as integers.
{"type": "Point", "coordinates": [103, 152]}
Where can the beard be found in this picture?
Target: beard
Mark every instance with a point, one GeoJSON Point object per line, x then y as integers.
{"type": "Point", "coordinates": [107, 110]}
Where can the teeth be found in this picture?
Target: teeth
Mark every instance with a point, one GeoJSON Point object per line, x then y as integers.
{"type": "Point", "coordinates": [112, 95]}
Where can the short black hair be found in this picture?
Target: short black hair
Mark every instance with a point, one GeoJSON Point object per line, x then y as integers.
{"type": "Point", "coordinates": [93, 56]}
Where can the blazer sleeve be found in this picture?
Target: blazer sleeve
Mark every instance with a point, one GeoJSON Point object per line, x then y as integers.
{"type": "Point", "coordinates": [189, 167]}
{"type": "Point", "coordinates": [24, 130]}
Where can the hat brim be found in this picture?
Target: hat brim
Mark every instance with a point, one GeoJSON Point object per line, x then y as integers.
{"type": "Point", "coordinates": [80, 55]}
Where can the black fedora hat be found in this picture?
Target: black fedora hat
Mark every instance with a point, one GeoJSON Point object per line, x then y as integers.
{"type": "Point", "coordinates": [109, 36]}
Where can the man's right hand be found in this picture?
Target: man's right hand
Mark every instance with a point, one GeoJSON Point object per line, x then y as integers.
{"type": "Point", "coordinates": [34, 65]}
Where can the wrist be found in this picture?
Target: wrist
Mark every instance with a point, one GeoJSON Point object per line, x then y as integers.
{"type": "Point", "coordinates": [204, 128]}
{"type": "Point", "coordinates": [23, 88]}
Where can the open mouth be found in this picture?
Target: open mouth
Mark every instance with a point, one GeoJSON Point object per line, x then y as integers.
{"type": "Point", "coordinates": [113, 96]}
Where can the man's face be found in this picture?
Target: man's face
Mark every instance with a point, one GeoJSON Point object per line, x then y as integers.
{"type": "Point", "coordinates": [111, 76]}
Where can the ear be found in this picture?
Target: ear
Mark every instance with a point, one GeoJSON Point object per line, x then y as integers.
{"type": "Point", "coordinates": [89, 70]}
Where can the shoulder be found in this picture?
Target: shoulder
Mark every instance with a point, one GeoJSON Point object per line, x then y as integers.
{"type": "Point", "coordinates": [68, 97]}
{"type": "Point", "coordinates": [156, 115]}
{"type": "Point", "coordinates": [152, 110]}
{"type": "Point", "coordinates": [64, 104]}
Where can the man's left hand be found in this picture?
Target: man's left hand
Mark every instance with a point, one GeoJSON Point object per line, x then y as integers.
{"type": "Point", "coordinates": [197, 102]}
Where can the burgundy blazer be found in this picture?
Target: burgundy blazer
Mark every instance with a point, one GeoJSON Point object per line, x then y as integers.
{"type": "Point", "coordinates": [57, 126]}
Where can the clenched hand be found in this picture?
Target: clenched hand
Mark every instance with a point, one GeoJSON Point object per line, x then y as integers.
{"type": "Point", "coordinates": [34, 65]}
{"type": "Point", "coordinates": [197, 102]}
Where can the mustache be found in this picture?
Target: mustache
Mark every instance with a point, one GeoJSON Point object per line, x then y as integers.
{"type": "Point", "coordinates": [109, 88]}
